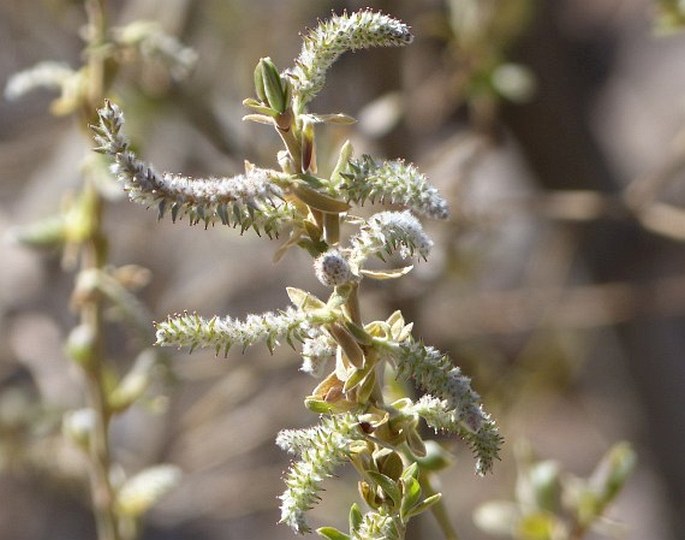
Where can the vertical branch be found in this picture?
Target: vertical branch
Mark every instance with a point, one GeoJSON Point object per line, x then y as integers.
{"type": "Point", "coordinates": [97, 34]}
{"type": "Point", "coordinates": [93, 257]}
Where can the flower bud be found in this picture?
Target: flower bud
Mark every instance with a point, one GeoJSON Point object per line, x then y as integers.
{"type": "Point", "coordinates": [80, 345]}
{"type": "Point", "coordinates": [332, 269]}
{"type": "Point", "coordinates": [78, 426]}
{"type": "Point", "coordinates": [270, 88]}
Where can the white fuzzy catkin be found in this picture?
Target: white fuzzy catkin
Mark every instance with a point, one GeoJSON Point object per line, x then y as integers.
{"type": "Point", "coordinates": [321, 449]}
{"type": "Point", "coordinates": [253, 199]}
{"type": "Point", "coordinates": [457, 407]}
{"type": "Point", "coordinates": [51, 75]}
{"type": "Point", "coordinates": [389, 232]}
{"type": "Point", "coordinates": [323, 45]}
{"type": "Point", "coordinates": [393, 182]}
{"type": "Point", "coordinates": [222, 333]}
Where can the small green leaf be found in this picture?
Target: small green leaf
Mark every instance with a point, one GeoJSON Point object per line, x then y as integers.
{"type": "Point", "coordinates": [358, 332]}
{"type": "Point", "coordinates": [318, 405]}
{"type": "Point", "coordinates": [304, 300]}
{"type": "Point", "coordinates": [404, 333]}
{"type": "Point", "coordinates": [412, 471]}
{"type": "Point", "coordinates": [348, 344]}
{"type": "Point", "coordinates": [318, 200]}
{"type": "Point", "coordinates": [312, 181]}
{"type": "Point", "coordinates": [344, 157]}
{"type": "Point", "coordinates": [423, 505]}
{"type": "Point", "coordinates": [410, 496]}
{"type": "Point", "coordinates": [415, 443]}
{"type": "Point", "coordinates": [332, 533]}
{"type": "Point", "coordinates": [543, 477]}
{"type": "Point", "coordinates": [273, 85]}
{"type": "Point", "coordinates": [354, 379]}
{"type": "Point", "coordinates": [259, 107]}
{"type": "Point", "coordinates": [79, 426]}
{"type": "Point", "coordinates": [613, 471]}
{"type": "Point", "coordinates": [259, 83]}
{"type": "Point", "coordinates": [366, 387]}
{"type": "Point", "coordinates": [388, 485]}
{"type": "Point", "coordinates": [390, 465]}
{"type": "Point", "coordinates": [355, 518]}
{"type": "Point", "coordinates": [378, 329]}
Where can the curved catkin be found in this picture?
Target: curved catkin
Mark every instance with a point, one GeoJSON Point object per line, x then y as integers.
{"type": "Point", "coordinates": [249, 200]}
{"type": "Point", "coordinates": [323, 45]}
{"type": "Point", "coordinates": [388, 232]}
{"type": "Point", "coordinates": [393, 182]}
{"type": "Point", "coordinates": [461, 410]}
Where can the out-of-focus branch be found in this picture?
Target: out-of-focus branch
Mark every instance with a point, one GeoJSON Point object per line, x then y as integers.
{"type": "Point", "coordinates": [580, 307]}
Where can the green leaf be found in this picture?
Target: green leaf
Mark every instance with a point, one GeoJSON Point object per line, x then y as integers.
{"type": "Point", "coordinates": [390, 464]}
{"type": "Point", "coordinates": [388, 485]}
{"type": "Point", "coordinates": [319, 201]}
{"type": "Point", "coordinates": [613, 471]}
{"type": "Point", "coordinates": [344, 157]}
{"type": "Point", "coordinates": [366, 387]}
{"type": "Point", "coordinates": [423, 505]}
{"type": "Point", "coordinates": [332, 533]}
{"type": "Point", "coordinates": [358, 332]}
{"type": "Point", "coordinates": [273, 85]}
{"type": "Point", "coordinates": [259, 107]}
{"type": "Point", "coordinates": [304, 300]}
{"type": "Point", "coordinates": [411, 496]}
{"type": "Point", "coordinates": [312, 181]}
{"type": "Point", "coordinates": [318, 405]}
{"type": "Point", "coordinates": [355, 518]}
{"type": "Point", "coordinates": [259, 82]}
{"type": "Point", "coordinates": [412, 471]}
{"type": "Point", "coordinates": [354, 379]}
{"type": "Point", "coordinates": [544, 483]}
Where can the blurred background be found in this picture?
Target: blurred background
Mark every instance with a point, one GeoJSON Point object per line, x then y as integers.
{"type": "Point", "coordinates": [556, 131]}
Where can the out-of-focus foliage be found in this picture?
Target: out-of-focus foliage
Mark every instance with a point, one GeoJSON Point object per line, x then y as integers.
{"type": "Point", "coordinates": [551, 504]}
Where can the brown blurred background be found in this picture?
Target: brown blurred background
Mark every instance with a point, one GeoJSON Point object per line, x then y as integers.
{"type": "Point", "coordinates": [556, 131]}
